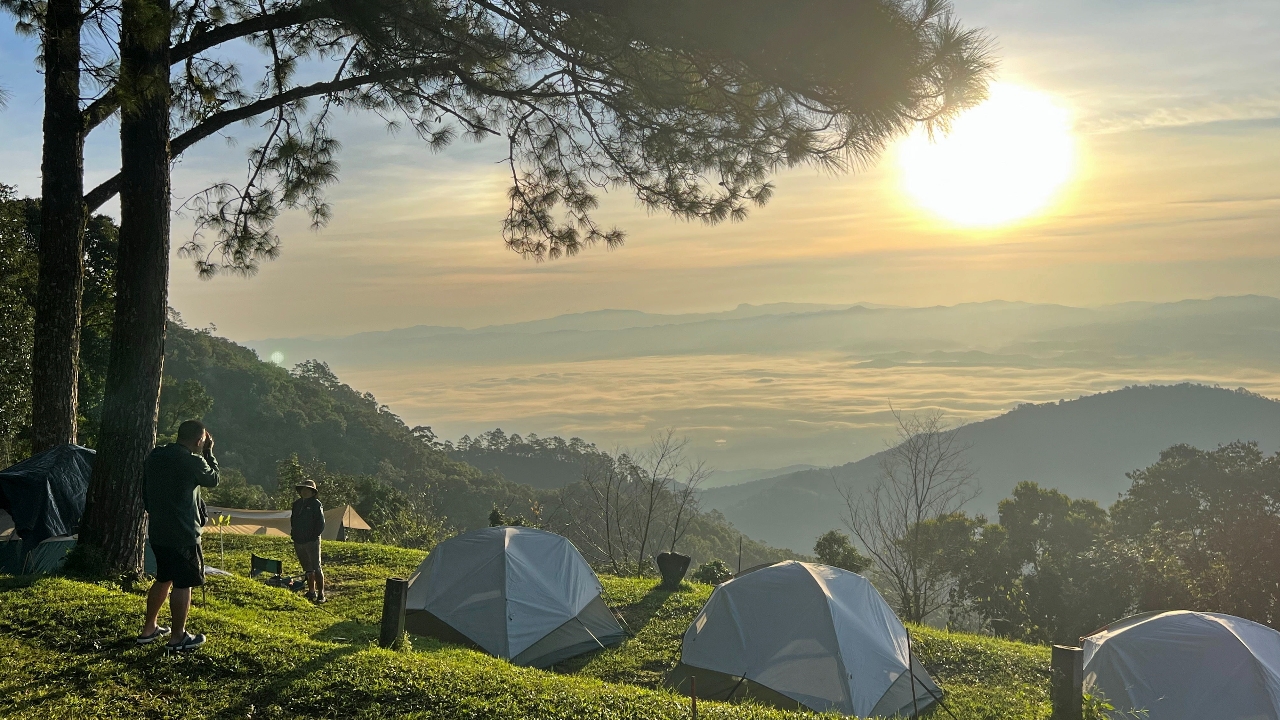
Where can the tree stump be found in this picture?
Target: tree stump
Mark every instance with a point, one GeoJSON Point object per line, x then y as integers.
{"type": "Point", "coordinates": [1067, 690]}
{"type": "Point", "coordinates": [393, 604]}
{"type": "Point", "coordinates": [673, 566]}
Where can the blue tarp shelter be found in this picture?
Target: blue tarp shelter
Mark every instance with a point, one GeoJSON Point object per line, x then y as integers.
{"type": "Point", "coordinates": [45, 493]}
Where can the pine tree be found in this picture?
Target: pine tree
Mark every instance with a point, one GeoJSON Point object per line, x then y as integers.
{"type": "Point", "coordinates": [690, 105]}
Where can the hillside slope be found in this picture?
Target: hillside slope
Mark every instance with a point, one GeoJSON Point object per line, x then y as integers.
{"type": "Point", "coordinates": [66, 651]}
{"type": "Point", "coordinates": [1082, 447]}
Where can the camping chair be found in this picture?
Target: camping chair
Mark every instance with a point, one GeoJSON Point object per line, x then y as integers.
{"type": "Point", "coordinates": [260, 565]}
{"type": "Point", "coordinates": [263, 566]}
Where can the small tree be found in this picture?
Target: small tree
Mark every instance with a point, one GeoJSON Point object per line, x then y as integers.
{"type": "Point", "coordinates": [624, 506]}
{"type": "Point", "coordinates": [598, 507]}
{"type": "Point", "coordinates": [833, 548]}
{"type": "Point", "coordinates": [666, 483]}
{"type": "Point", "coordinates": [712, 572]}
{"type": "Point", "coordinates": [924, 477]}
{"type": "Point", "coordinates": [686, 500]}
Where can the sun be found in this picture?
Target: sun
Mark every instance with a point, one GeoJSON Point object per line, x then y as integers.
{"type": "Point", "coordinates": [1002, 161]}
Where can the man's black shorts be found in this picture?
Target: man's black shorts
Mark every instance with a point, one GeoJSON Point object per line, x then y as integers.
{"type": "Point", "coordinates": [183, 566]}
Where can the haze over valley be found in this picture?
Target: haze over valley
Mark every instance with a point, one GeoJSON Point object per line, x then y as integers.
{"type": "Point", "coordinates": [771, 386]}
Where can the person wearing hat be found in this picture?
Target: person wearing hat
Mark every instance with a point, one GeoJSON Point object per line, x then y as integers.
{"type": "Point", "coordinates": [305, 525]}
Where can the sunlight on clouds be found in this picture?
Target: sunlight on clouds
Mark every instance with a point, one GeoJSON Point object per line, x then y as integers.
{"type": "Point", "coordinates": [817, 408]}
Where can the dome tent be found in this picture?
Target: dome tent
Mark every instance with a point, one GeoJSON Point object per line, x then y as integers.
{"type": "Point", "coordinates": [802, 635]}
{"type": "Point", "coordinates": [518, 593]}
{"type": "Point", "coordinates": [1182, 665]}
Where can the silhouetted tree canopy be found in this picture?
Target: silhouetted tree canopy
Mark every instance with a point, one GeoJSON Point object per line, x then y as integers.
{"type": "Point", "coordinates": [690, 105]}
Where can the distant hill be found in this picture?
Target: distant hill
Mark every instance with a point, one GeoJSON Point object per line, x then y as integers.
{"type": "Point", "coordinates": [1243, 330]}
{"type": "Point", "coordinates": [1082, 447]}
{"type": "Point", "coordinates": [724, 478]}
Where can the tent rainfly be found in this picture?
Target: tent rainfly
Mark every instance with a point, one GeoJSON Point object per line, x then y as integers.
{"type": "Point", "coordinates": [45, 493]}
{"type": "Point", "coordinates": [518, 593]}
{"type": "Point", "coordinates": [801, 635]}
{"type": "Point", "coordinates": [1184, 665]}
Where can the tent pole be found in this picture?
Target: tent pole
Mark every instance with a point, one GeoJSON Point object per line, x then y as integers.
{"type": "Point", "coordinates": [938, 700]}
{"type": "Point", "coordinates": [911, 665]}
{"type": "Point", "coordinates": [593, 635]}
{"type": "Point", "coordinates": [911, 668]}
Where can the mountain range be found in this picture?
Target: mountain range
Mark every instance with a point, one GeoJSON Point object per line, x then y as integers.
{"type": "Point", "coordinates": [770, 386]}
{"type": "Point", "coordinates": [1082, 447]}
{"type": "Point", "coordinates": [1238, 329]}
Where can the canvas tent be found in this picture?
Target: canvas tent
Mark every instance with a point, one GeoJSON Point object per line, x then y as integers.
{"type": "Point", "coordinates": [275, 523]}
{"type": "Point", "coordinates": [338, 520]}
{"type": "Point", "coordinates": [518, 593]}
{"type": "Point", "coordinates": [45, 493]}
{"type": "Point", "coordinates": [802, 635]}
{"type": "Point", "coordinates": [1186, 666]}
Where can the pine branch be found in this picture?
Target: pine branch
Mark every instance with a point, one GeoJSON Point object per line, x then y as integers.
{"type": "Point", "coordinates": [104, 107]}
{"type": "Point", "coordinates": [108, 189]}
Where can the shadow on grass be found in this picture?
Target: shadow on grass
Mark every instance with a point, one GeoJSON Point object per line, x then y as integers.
{"type": "Point", "coordinates": [635, 617]}
{"type": "Point", "coordinates": [348, 631]}
{"type": "Point", "coordinates": [639, 614]}
{"type": "Point", "coordinates": [284, 687]}
{"type": "Point", "coordinates": [18, 582]}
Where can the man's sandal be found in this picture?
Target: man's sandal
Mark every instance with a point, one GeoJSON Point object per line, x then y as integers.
{"type": "Point", "coordinates": [161, 631]}
{"type": "Point", "coordinates": [187, 643]}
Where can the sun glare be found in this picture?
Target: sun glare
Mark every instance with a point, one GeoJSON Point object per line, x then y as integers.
{"type": "Point", "coordinates": [1002, 161]}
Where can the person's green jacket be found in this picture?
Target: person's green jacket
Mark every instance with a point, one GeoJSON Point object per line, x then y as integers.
{"type": "Point", "coordinates": [172, 478]}
{"type": "Point", "coordinates": [306, 521]}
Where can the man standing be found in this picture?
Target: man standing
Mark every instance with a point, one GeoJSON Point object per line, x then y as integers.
{"type": "Point", "coordinates": [305, 525]}
{"type": "Point", "coordinates": [172, 478]}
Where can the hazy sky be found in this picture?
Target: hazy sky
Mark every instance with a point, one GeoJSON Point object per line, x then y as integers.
{"type": "Point", "coordinates": [1176, 112]}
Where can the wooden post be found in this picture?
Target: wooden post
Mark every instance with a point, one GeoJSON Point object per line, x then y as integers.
{"type": "Point", "coordinates": [1066, 692]}
{"type": "Point", "coordinates": [393, 602]}
{"type": "Point", "coordinates": [693, 694]}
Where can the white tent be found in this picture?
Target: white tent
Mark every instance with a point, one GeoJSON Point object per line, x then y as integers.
{"type": "Point", "coordinates": [517, 593]}
{"type": "Point", "coordinates": [1186, 666]}
{"type": "Point", "coordinates": [799, 634]}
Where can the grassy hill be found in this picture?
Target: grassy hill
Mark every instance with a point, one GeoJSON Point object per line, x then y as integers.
{"type": "Point", "coordinates": [66, 651]}
{"type": "Point", "coordinates": [1082, 447]}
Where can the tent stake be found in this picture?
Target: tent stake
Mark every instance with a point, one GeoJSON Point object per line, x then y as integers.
{"type": "Point", "coordinates": [693, 694]}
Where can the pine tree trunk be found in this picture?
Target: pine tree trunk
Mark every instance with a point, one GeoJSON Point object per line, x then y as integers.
{"type": "Point", "coordinates": [55, 356]}
{"type": "Point", "coordinates": [114, 516]}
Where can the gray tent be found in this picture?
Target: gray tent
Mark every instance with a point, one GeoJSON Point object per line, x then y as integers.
{"type": "Point", "coordinates": [801, 635]}
{"type": "Point", "coordinates": [518, 593]}
{"type": "Point", "coordinates": [49, 556]}
{"type": "Point", "coordinates": [1182, 665]}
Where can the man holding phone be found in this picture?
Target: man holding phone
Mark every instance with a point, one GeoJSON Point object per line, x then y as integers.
{"type": "Point", "coordinates": [172, 478]}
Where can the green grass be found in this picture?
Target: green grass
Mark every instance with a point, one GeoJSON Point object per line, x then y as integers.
{"type": "Point", "coordinates": [66, 652]}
